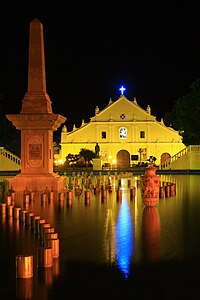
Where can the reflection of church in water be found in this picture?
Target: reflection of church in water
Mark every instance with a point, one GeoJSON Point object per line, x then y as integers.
{"type": "Point", "coordinates": [132, 232]}
{"type": "Point", "coordinates": [126, 134]}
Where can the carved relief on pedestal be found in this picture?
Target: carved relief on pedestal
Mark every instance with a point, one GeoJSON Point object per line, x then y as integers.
{"type": "Point", "coordinates": [35, 151]}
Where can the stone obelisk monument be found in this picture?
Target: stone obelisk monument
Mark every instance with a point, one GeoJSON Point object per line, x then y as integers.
{"type": "Point", "coordinates": [37, 123]}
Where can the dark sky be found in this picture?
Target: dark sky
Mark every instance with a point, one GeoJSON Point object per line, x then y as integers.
{"type": "Point", "coordinates": [91, 48]}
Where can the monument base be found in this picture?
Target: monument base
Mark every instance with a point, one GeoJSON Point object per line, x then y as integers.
{"type": "Point", "coordinates": [37, 182]}
{"type": "Point", "coordinates": [97, 164]}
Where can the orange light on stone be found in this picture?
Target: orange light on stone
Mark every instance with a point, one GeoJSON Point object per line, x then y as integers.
{"type": "Point", "coordinates": [24, 266]}
{"type": "Point", "coordinates": [3, 208]}
{"type": "Point", "coordinates": [33, 220]}
{"type": "Point", "coordinates": [49, 230]}
{"type": "Point", "coordinates": [32, 196]}
{"type": "Point", "coordinates": [104, 195]}
{"type": "Point", "coordinates": [8, 200]}
{"type": "Point", "coordinates": [119, 194]}
{"type": "Point", "coordinates": [55, 245]}
{"type": "Point", "coordinates": [51, 196]}
{"type": "Point", "coordinates": [27, 199]}
{"type": "Point", "coordinates": [49, 236]}
{"type": "Point", "coordinates": [9, 210]}
{"type": "Point", "coordinates": [69, 195]}
{"type": "Point", "coordinates": [42, 226]}
{"type": "Point", "coordinates": [44, 198]}
{"type": "Point", "coordinates": [13, 196]}
{"type": "Point", "coordinates": [37, 226]}
{"type": "Point", "coordinates": [62, 196]}
{"type": "Point", "coordinates": [28, 219]}
{"type": "Point", "coordinates": [22, 215]}
{"type": "Point", "coordinates": [44, 257]}
{"type": "Point", "coordinates": [132, 193]}
{"type": "Point", "coordinates": [16, 212]}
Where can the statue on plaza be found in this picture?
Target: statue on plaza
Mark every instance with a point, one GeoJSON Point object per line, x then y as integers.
{"type": "Point", "coordinates": [97, 150]}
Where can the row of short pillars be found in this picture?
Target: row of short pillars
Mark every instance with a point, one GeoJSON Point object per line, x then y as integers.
{"type": "Point", "coordinates": [167, 190]}
{"type": "Point", "coordinates": [87, 194]}
{"type": "Point", "coordinates": [24, 263]}
{"type": "Point", "coordinates": [49, 248]}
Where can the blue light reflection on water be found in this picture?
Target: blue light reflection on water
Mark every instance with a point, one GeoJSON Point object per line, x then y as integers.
{"type": "Point", "coordinates": [124, 238]}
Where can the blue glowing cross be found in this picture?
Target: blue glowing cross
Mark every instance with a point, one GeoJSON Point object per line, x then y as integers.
{"type": "Point", "coordinates": [122, 89]}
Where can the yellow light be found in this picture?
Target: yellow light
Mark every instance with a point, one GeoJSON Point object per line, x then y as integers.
{"type": "Point", "coordinates": [114, 161]}
{"type": "Point", "coordinates": [60, 161]}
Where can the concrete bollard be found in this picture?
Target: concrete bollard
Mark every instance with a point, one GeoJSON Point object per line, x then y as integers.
{"type": "Point", "coordinates": [167, 191]}
{"type": "Point", "coordinates": [27, 199]}
{"type": "Point", "coordinates": [8, 200]}
{"type": "Point", "coordinates": [173, 189]}
{"type": "Point", "coordinates": [42, 227]}
{"type": "Point", "coordinates": [51, 198]}
{"type": "Point", "coordinates": [104, 195]}
{"type": "Point", "coordinates": [50, 235]}
{"type": "Point", "coordinates": [119, 194]}
{"type": "Point", "coordinates": [13, 196]}
{"type": "Point", "coordinates": [10, 210]}
{"type": "Point", "coordinates": [161, 192]}
{"type": "Point", "coordinates": [37, 226]}
{"type": "Point", "coordinates": [132, 193]}
{"type": "Point", "coordinates": [28, 219]}
{"type": "Point", "coordinates": [16, 212]}
{"type": "Point", "coordinates": [24, 266]}
{"type": "Point", "coordinates": [22, 215]}
{"type": "Point", "coordinates": [32, 196]}
{"type": "Point", "coordinates": [62, 196]}
{"type": "Point", "coordinates": [55, 245]}
{"type": "Point", "coordinates": [3, 208]}
{"type": "Point", "coordinates": [44, 198]}
{"type": "Point", "coordinates": [44, 257]}
{"type": "Point", "coordinates": [33, 219]}
{"type": "Point", "coordinates": [69, 195]}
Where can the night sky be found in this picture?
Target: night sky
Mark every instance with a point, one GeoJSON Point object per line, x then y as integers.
{"type": "Point", "coordinates": [92, 48]}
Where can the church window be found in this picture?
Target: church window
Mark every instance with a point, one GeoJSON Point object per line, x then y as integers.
{"type": "Point", "coordinates": [103, 135]}
{"type": "Point", "coordinates": [122, 133]}
{"type": "Point", "coordinates": [142, 134]}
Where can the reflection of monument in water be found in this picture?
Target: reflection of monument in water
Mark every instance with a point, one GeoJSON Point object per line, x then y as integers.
{"type": "Point", "coordinates": [151, 233]}
{"type": "Point", "coordinates": [37, 123]}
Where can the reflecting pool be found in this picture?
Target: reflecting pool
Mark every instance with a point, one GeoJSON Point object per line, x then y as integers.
{"type": "Point", "coordinates": [110, 247]}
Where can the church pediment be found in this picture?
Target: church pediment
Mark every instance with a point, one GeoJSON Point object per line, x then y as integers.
{"type": "Point", "coordinates": [122, 110]}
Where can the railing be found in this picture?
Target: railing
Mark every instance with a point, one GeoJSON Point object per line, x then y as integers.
{"type": "Point", "coordinates": [189, 149]}
{"type": "Point", "coordinates": [9, 155]}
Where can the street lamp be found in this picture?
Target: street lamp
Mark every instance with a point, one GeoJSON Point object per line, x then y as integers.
{"type": "Point", "coordinates": [140, 150]}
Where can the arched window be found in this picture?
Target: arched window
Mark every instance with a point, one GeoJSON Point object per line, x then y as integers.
{"type": "Point", "coordinates": [123, 133]}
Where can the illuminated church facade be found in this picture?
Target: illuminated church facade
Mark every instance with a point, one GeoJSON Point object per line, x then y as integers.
{"type": "Point", "coordinates": [126, 133]}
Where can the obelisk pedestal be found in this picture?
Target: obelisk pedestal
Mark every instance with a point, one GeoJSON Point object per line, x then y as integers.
{"type": "Point", "coordinates": [37, 123]}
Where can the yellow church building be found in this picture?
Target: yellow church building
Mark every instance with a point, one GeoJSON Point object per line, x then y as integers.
{"type": "Point", "coordinates": [126, 134]}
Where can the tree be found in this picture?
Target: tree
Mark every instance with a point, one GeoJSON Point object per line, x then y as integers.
{"type": "Point", "coordinates": [152, 159]}
{"type": "Point", "coordinates": [185, 115]}
{"type": "Point", "coordinates": [72, 158]}
{"type": "Point", "coordinates": [87, 154]}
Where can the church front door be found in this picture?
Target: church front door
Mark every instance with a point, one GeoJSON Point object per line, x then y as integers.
{"type": "Point", "coordinates": [123, 159]}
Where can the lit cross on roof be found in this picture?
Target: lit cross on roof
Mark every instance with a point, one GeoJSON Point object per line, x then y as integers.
{"type": "Point", "coordinates": [122, 89]}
